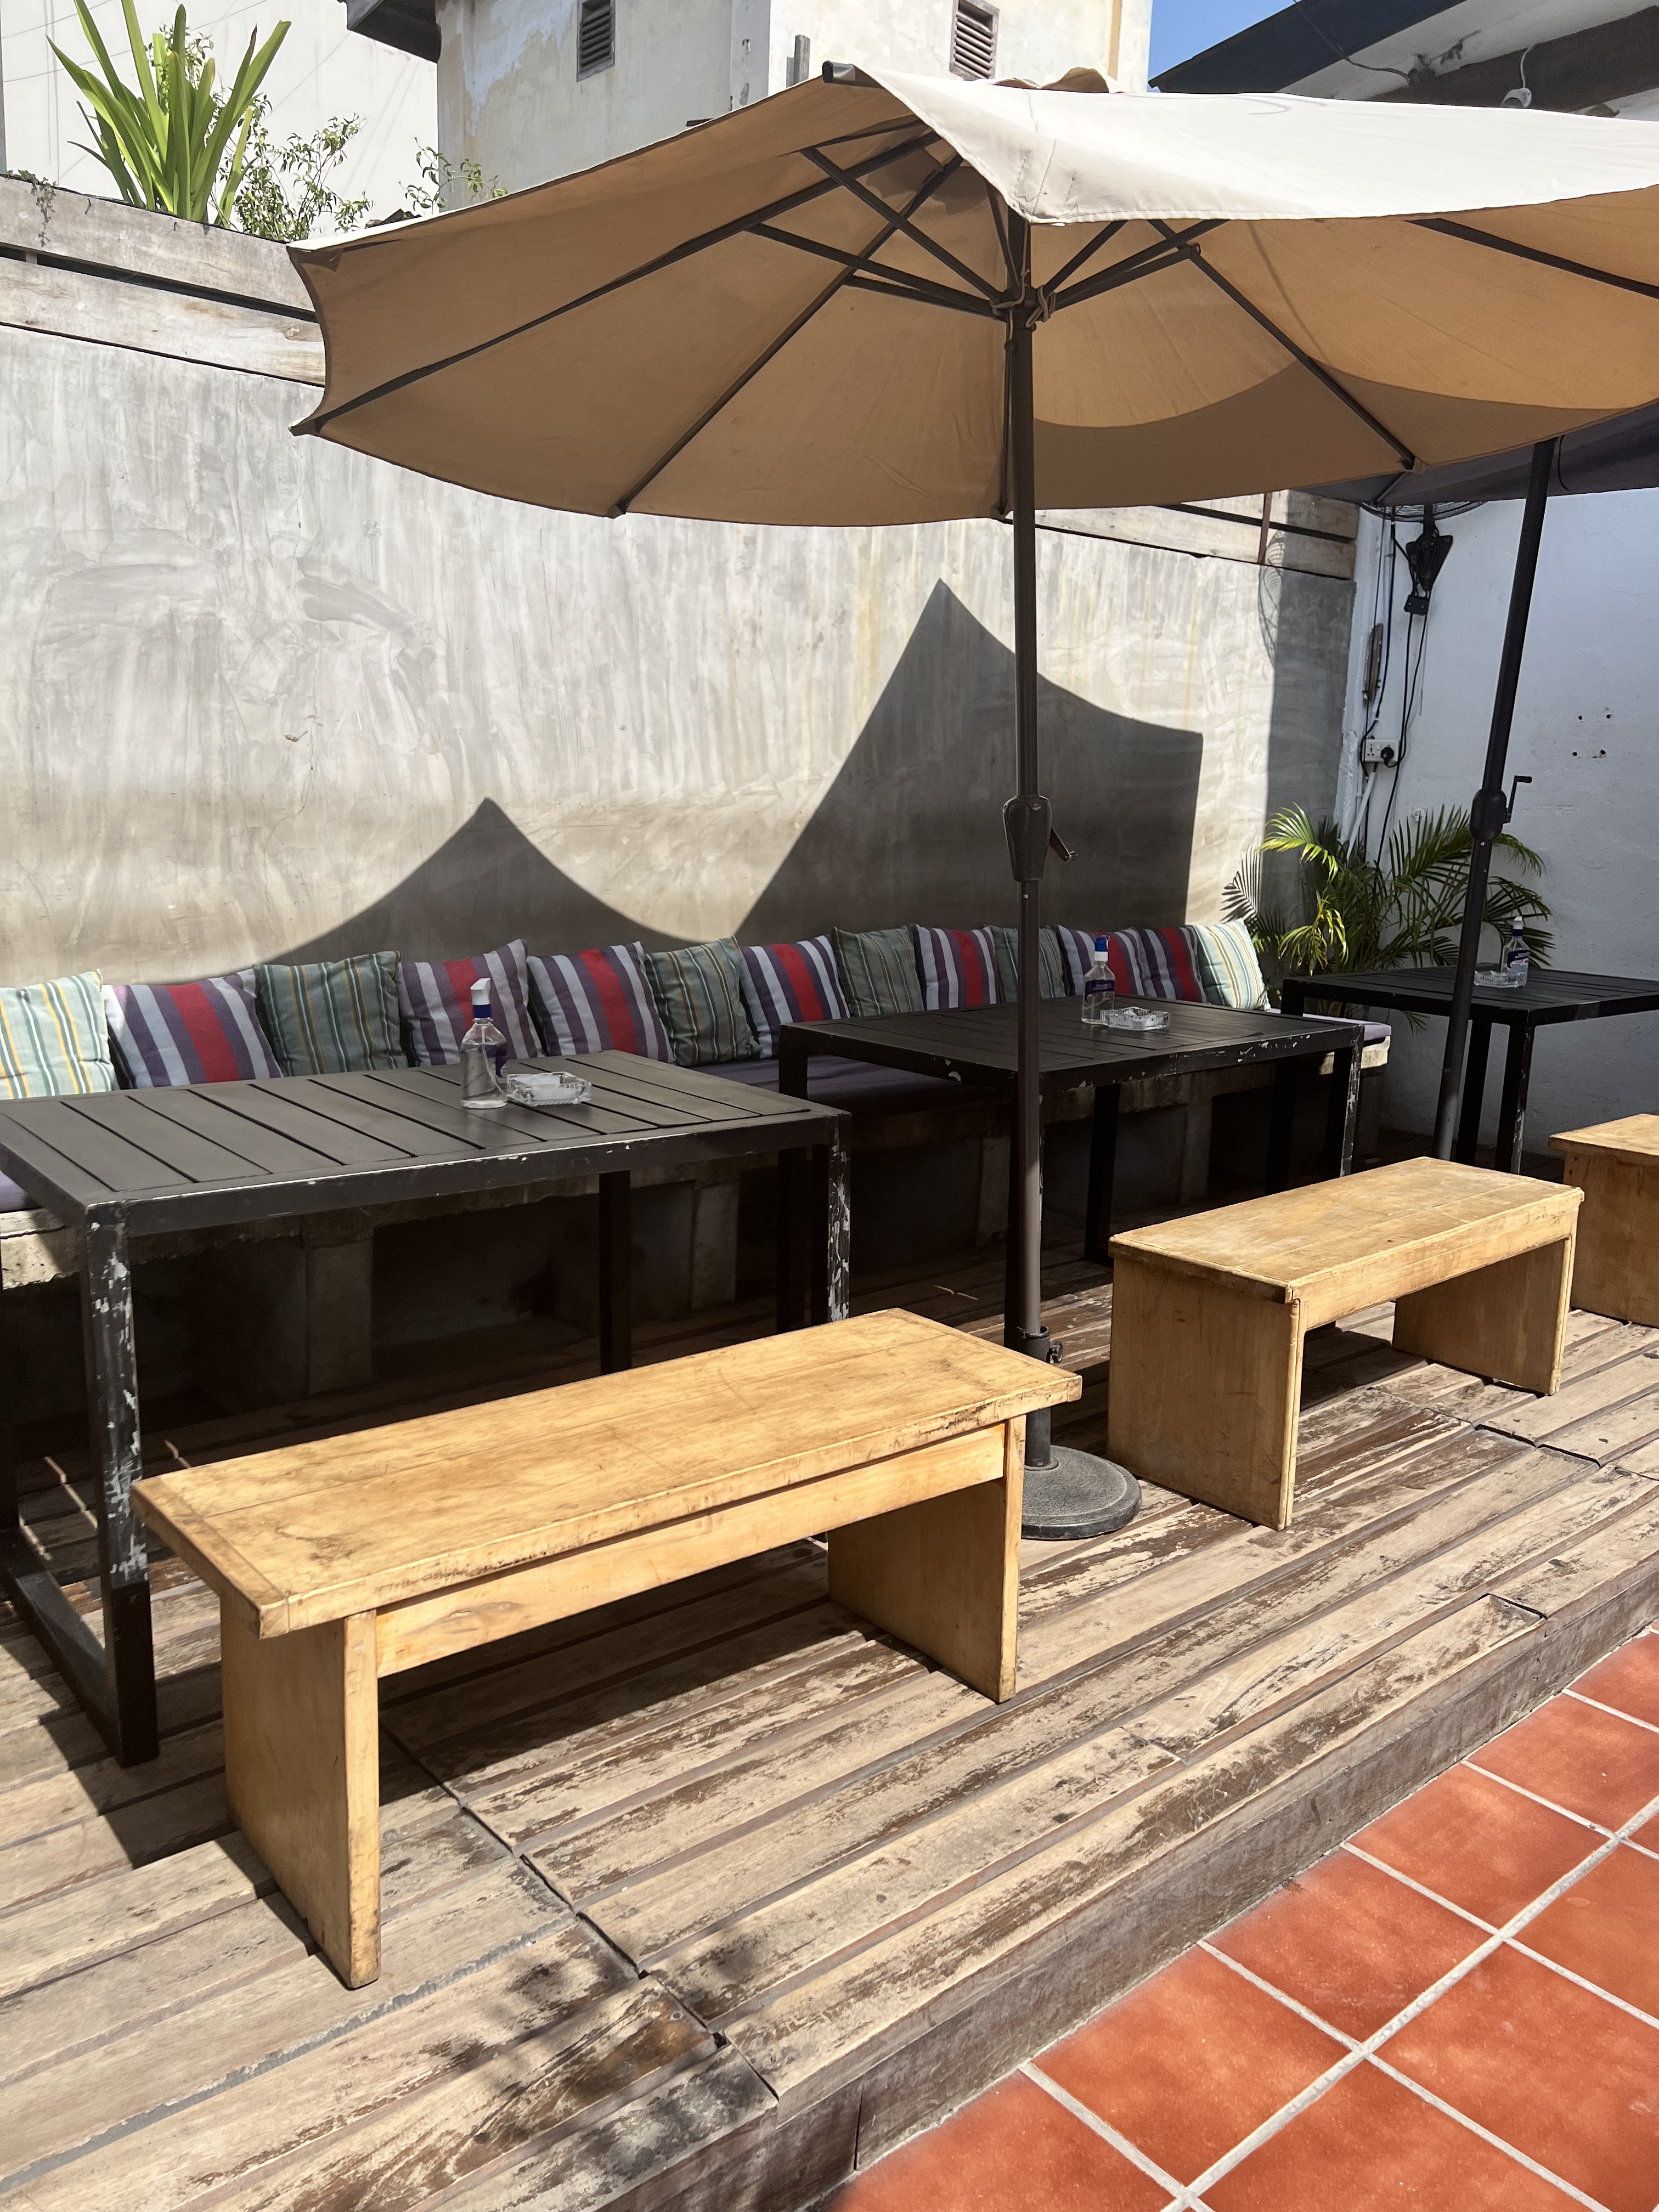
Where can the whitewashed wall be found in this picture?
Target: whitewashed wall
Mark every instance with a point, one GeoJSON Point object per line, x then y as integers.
{"type": "Point", "coordinates": [1587, 731]}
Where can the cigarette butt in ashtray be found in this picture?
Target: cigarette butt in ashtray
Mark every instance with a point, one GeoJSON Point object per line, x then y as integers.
{"type": "Point", "coordinates": [537, 1087]}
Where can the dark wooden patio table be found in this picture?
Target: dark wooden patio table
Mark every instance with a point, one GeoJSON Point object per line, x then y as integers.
{"type": "Point", "coordinates": [978, 1046]}
{"type": "Point", "coordinates": [220, 1156]}
{"type": "Point", "coordinates": [1550, 995]}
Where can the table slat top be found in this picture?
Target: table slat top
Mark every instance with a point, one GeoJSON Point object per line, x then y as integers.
{"type": "Point", "coordinates": [312, 1532]}
{"type": "Point", "coordinates": [1550, 994]}
{"type": "Point", "coordinates": [223, 1152]}
{"type": "Point", "coordinates": [976, 1042]}
{"type": "Point", "coordinates": [1291, 1245]}
{"type": "Point", "coordinates": [1635, 1138]}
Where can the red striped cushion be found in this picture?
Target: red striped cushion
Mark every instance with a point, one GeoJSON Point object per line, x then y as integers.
{"type": "Point", "coordinates": [598, 1002]}
{"type": "Point", "coordinates": [790, 983]}
{"type": "Point", "coordinates": [436, 999]}
{"type": "Point", "coordinates": [1147, 963]}
{"type": "Point", "coordinates": [173, 1033]}
{"type": "Point", "coordinates": [957, 967]}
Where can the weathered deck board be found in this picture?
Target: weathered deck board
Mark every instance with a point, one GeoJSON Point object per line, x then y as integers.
{"type": "Point", "coordinates": [778, 1827]}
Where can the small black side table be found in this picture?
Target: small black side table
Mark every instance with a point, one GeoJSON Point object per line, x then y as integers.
{"type": "Point", "coordinates": [1551, 994]}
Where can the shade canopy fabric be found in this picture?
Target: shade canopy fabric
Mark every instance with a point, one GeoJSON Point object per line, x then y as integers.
{"type": "Point", "coordinates": [1619, 454]}
{"type": "Point", "coordinates": [795, 314]}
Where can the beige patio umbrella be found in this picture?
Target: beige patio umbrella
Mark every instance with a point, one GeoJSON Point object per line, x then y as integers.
{"type": "Point", "coordinates": [890, 299]}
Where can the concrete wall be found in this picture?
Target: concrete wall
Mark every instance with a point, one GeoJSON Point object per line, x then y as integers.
{"type": "Point", "coordinates": [261, 695]}
{"type": "Point", "coordinates": [509, 96]}
{"type": "Point", "coordinates": [319, 71]}
{"type": "Point", "coordinates": [1587, 731]}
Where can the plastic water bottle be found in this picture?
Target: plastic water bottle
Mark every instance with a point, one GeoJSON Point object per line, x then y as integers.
{"type": "Point", "coordinates": [484, 1052]}
{"type": "Point", "coordinates": [1099, 988]}
{"type": "Point", "coordinates": [1518, 961]}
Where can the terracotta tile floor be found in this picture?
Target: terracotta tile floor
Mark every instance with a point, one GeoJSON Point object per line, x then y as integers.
{"type": "Point", "coordinates": [1458, 2011]}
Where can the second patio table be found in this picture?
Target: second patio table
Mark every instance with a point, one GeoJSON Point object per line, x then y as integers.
{"type": "Point", "coordinates": [979, 1046]}
{"type": "Point", "coordinates": [219, 1156]}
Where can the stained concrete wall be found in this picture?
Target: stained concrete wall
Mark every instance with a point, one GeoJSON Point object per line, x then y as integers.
{"type": "Point", "coordinates": [261, 696]}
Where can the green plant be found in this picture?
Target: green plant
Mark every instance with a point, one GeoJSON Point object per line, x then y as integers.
{"type": "Point", "coordinates": [1404, 907]}
{"type": "Point", "coordinates": [438, 188]}
{"type": "Point", "coordinates": [174, 144]}
{"type": "Point", "coordinates": [285, 191]}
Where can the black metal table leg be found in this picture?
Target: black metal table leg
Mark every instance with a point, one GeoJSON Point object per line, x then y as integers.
{"type": "Point", "coordinates": [128, 1717]}
{"type": "Point", "coordinates": [1474, 1089]}
{"type": "Point", "coordinates": [1103, 1165]}
{"type": "Point", "coordinates": [832, 1225]}
{"type": "Point", "coordinates": [616, 1273]}
{"type": "Point", "coordinates": [1281, 1133]}
{"type": "Point", "coordinates": [1512, 1104]}
{"type": "Point", "coordinates": [1342, 1111]}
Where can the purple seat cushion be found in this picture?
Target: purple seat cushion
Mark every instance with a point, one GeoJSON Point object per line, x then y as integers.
{"type": "Point", "coordinates": [857, 1084]}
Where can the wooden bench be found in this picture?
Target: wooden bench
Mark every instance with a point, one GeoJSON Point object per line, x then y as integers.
{"type": "Point", "coordinates": [1209, 1313]}
{"type": "Point", "coordinates": [1616, 1165]}
{"type": "Point", "coordinates": [339, 1561]}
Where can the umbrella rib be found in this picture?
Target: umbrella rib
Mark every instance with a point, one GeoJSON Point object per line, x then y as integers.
{"type": "Point", "coordinates": [1150, 261]}
{"type": "Point", "coordinates": [314, 425]}
{"type": "Point", "coordinates": [1533, 253]}
{"type": "Point", "coordinates": [1084, 253]}
{"type": "Point", "coordinates": [847, 178]}
{"type": "Point", "coordinates": [924, 296]}
{"type": "Point", "coordinates": [1408, 458]}
{"type": "Point", "coordinates": [847, 277]}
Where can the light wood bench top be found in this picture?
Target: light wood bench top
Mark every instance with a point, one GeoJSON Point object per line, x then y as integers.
{"type": "Point", "coordinates": [315, 1532]}
{"type": "Point", "coordinates": [1635, 1138]}
{"type": "Point", "coordinates": [1335, 1247]}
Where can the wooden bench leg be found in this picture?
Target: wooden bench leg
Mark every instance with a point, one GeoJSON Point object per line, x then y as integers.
{"type": "Point", "coordinates": [302, 1772]}
{"type": "Point", "coordinates": [1615, 1269]}
{"type": "Point", "coordinates": [944, 1574]}
{"type": "Point", "coordinates": [1505, 1321]}
{"type": "Point", "coordinates": [1205, 1387]}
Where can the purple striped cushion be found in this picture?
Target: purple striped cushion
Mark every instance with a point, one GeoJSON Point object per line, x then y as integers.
{"type": "Point", "coordinates": [957, 967]}
{"type": "Point", "coordinates": [598, 1002]}
{"type": "Point", "coordinates": [173, 1033]}
{"type": "Point", "coordinates": [436, 997]}
{"type": "Point", "coordinates": [790, 983]}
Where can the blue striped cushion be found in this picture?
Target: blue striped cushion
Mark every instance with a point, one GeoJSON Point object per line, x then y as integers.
{"type": "Point", "coordinates": [53, 1040]}
{"type": "Point", "coordinates": [436, 998]}
{"type": "Point", "coordinates": [957, 967]}
{"type": "Point", "coordinates": [1228, 966]}
{"type": "Point", "coordinates": [173, 1033]}
{"type": "Point", "coordinates": [790, 983]}
{"type": "Point", "coordinates": [598, 1002]}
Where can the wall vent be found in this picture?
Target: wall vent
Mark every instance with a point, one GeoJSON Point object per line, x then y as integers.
{"type": "Point", "coordinates": [973, 39]}
{"type": "Point", "coordinates": [596, 36]}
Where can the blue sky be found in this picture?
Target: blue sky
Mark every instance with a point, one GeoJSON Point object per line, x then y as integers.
{"type": "Point", "coordinates": [1181, 27]}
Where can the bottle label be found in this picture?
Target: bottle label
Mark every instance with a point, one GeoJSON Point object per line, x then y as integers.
{"type": "Point", "coordinates": [1098, 993]}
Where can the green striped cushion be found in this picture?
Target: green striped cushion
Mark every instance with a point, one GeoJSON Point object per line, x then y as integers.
{"type": "Point", "coordinates": [54, 1041]}
{"type": "Point", "coordinates": [1051, 963]}
{"type": "Point", "coordinates": [699, 992]}
{"type": "Point", "coordinates": [333, 1017]}
{"type": "Point", "coordinates": [879, 971]}
{"type": "Point", "coordinates": [1227, 966]}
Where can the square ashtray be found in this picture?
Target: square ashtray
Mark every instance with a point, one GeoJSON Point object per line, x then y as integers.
{"type": "Point", "coordinates": [1139, 1018]}
{"type": "Point", "coordinates": [537, 1087]}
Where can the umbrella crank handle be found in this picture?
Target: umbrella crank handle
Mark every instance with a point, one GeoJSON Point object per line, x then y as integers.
{"type": "Point", "coordinates": [1029, 825]}
{"type": "Point", "coordinates": [1492, 813]}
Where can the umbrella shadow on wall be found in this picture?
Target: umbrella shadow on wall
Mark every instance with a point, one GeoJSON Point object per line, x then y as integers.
{"type": "Point", "coordinates": [909, 830]}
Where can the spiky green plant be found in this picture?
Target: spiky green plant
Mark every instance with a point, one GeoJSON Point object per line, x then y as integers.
{"type": "Point", "coordinates": [173, 144]}
{"type": "Point", "coordinates": [1403, 908]}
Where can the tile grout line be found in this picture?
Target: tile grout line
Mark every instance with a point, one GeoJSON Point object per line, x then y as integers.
{"type": "Point", "coordinates": [1616, 1712]}
{"type": "Point", "coordinates": [1542, 1958]}
{"type": "Point", "coordinates": [1475, 2127]}
{"type": "Point", "coordinates": [1191, 2199]}
{"type": "Point", "coordinates": [1549, 1803]}
{"type": "Point", "coordinates": [1120, 2143]}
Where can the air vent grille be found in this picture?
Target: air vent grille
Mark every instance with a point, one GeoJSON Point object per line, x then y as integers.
{"type": "Point", "coordinates": [973, 40]}
{"type": "Point", "coordinates": [596, 36]}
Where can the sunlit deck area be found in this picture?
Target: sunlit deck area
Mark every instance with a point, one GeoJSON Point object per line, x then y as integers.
{"type": "Point", "coordinates": [713, 1895]}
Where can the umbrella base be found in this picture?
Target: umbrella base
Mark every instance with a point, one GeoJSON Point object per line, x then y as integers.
{"type": "Point", "coordinates": [1077, 1495]}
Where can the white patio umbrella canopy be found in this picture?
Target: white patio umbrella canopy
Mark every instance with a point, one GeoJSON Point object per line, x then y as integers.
{"type": "Point", "coordinates": [890, 299]}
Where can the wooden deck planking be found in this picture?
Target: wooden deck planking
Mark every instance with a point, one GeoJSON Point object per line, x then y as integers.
{"type": "Point", "coordinates": [879, 1889]}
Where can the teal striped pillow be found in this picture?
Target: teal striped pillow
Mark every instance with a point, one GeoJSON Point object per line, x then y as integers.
{"type": "Point", "coordinates": [1227, 966]}
{"type": "Point", "coordinates": [1051, 963]}
{"type": "Point", "coordinates": [699, 992]}
{"type": "Point", "coordinates": [879, 971]}
{"type": "Point", "coordinates": [333, 1017]}
{"type": "Point", "coordinates": [54, 1040]}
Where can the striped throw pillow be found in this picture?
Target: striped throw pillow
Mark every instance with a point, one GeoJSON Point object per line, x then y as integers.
{"type": "Point", "coordinates": [699, 993]}
{"type": "Point", "coordinates": [1148, 964]}
{"type": "Point", "coordinates": [1053, 981]}
{"type": "Point", "coordinates": [53, 1042]}
{"type": "Point", "coordinates": [790, 983]}
{"type": "Point", "coordinates": [1228, 967]}
{"type": "Point", "coordinates": [1076, 953]}
{"type": "Point", "coordinates": [957, 967]}
{"type": "Point", "coordinates": [596, 1001]}
{"type": "Point", "coordinates": [170, 1033]}
{"type": "Point", "coordinates": [878, 971]}
{"type": "Point", "coordinates": [436, 998]}
{"type": "Point", "coordinates": [332, 1016]}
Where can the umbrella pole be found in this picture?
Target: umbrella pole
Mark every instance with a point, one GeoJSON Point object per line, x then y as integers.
{"type": "Point", "coordinates": [1067, 1493]}
{"type": "Point", "coordinates": [1489, 811]}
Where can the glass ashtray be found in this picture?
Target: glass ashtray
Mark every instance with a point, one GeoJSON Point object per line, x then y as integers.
{"type": "Point", "coordinates": [1140, 1018]}
{"type": "Point", "coordinates": [537, 1087]}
